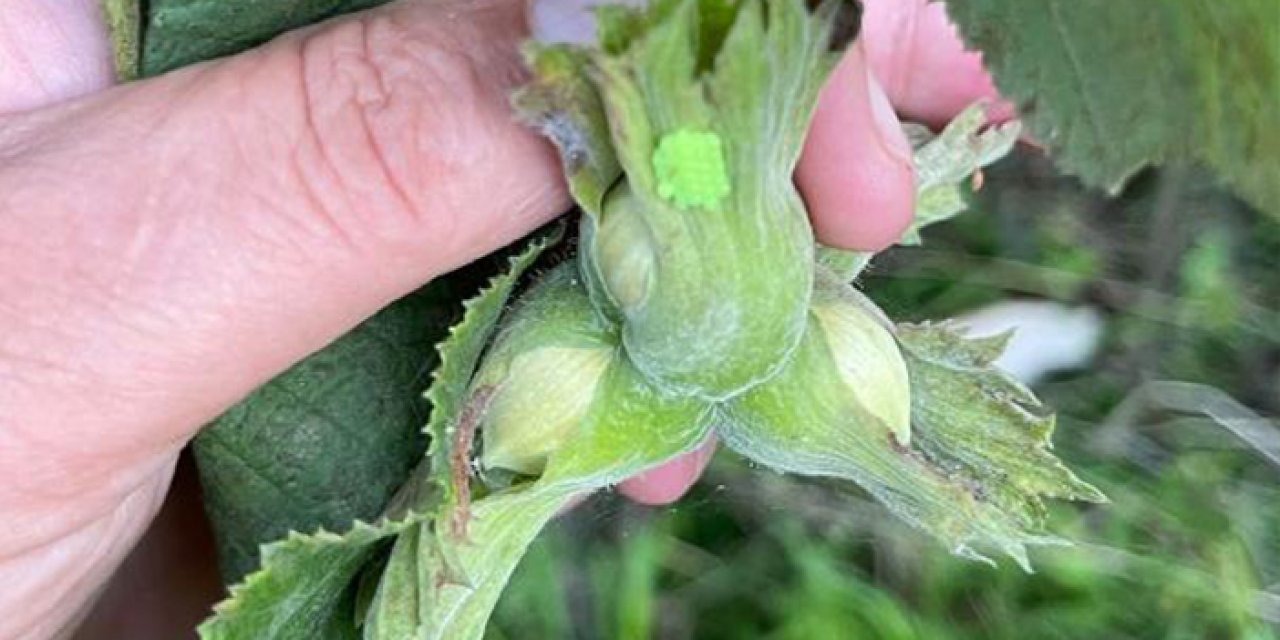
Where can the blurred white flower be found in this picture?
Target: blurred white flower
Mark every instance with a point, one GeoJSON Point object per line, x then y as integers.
{"type": "Point", "coordinates": [1048, 336]}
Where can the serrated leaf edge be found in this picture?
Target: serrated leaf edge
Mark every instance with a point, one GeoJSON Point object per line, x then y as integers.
{"type": "Point", "coordinates": [360, 533]}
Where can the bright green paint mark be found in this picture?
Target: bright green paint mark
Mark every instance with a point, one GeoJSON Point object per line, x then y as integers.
{"type": "Point", "coordinates": [690, 169]}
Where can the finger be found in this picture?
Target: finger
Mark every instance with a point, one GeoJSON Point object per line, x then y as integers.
{"type": "Point", "coordinates": [856, 173]}
{"type": "Point", "coordinates": [170, 245]}
{"type": "Point", "coordinates": [916, 52]}
{"type": "Point", "coordinates": [665, 484]}
{"type": "Point", "coordinates": [51, 51]}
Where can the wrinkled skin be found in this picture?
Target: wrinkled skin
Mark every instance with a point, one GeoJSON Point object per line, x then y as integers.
{"type": "Point", "coordinates": [168, 246]}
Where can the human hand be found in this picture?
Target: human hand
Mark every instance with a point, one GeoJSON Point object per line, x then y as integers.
{"type": "Point", "coordinates": [170, 245]}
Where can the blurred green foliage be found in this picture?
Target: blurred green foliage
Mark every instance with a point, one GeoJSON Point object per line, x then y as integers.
{"type": "Point", "coordinates": [1188, 281]}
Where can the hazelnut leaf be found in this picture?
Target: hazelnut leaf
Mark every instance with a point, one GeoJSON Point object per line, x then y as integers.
{"type": "Point", "coordinates": [980, 424]}
{"type": "Point", "coordinates": [302, 587]}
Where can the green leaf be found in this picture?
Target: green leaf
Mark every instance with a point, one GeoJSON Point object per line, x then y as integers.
{"type": "Point", "coordinates": [1113, 86]}
{"type": "Point", "coordinates": [441, 483]}
{"type": "Point", "coordinates": [451, 428]}
{"type": "Point", "coordinates": [303, 589]}
{"type": "Point", "coordinates": [972, 419]}
{"type": "Point", "coordinates": [457, 607]}
{"type": "Point", "coordinates": [562, 103]}
{"type": "Point", "coordinates": [943, 164]}
{"type": "Point", "coordinates": [124, 22]}
{"type": "Point", "coordinates": [467, 552]}
{"type": "Point", "coordinates": [393, 614]}
{"type": "Point", "coordinates": [328, 441]}
{"type": "Point", "coordinates": [181, 32]}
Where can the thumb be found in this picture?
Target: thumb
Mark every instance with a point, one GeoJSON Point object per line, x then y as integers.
{"type": "Point", "coordinates": [170, 245]}
{"type": "Point", "coordinates": [916, 51]}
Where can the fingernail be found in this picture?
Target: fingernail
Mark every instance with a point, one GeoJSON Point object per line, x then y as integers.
{"type": "Point", "coordinates": [561, 21]}
{"type": "Point", "coordinates": [888, 127]}
{"type": "Point", "coordinates": [568, 21]}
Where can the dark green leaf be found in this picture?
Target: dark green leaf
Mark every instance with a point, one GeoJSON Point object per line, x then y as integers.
{"type": "Point", "coordinates": [329, 440]}
{"type": "Point", "coordinates": [1113, 86]}
{"type": "Point", "coordinates": [181, 32]}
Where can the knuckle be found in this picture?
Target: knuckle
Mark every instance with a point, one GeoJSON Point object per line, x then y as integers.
{"type": "Point", "coordinates": [388, 118]}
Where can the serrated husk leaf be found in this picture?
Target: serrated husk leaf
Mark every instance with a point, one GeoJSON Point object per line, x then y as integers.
{"type": "Point", "coordinates": [806, 421]}
{"type": "Point", "coordinates": [943, 164]}
{"type": "Point", "coordinates": [302, 586]}
{"type": "Point", "coordinates": [450, 427]}
{"type": "Point", "coordinates": [979, 423]}
{"type": "Point", "coordinates": [630, 426]}
{"type": "Point", "coordinates": [393, 613]}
